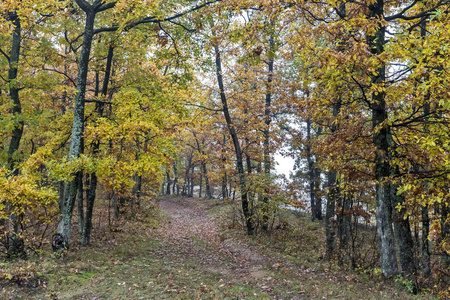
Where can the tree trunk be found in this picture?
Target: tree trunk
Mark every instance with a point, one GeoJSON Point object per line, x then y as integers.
{"type": "Point", "coordinates": [381, 141]}
{"type": "Point", "coordinates": [266, 131]}
{"type": "Point", "coordinates": [15, 243]}
{"type": "Point", "coordinates": [99, 107]}
{"type": "Point", "coordinates": [208, 193]}
{"type": "Point", "coordinates": [318, 197]}
{"type": "Point", "coordinates": [237, 146]}
{"type": "Point", "coordinates": [135, 195]}
{"type": "Point", "coordinates": [334, 193]}
{"type": "Point", "coordinates": [201, 183]}
{"type": "Point", "coordinates": [426, 253]}
{"type": "Point", "coordinates": [175, 180]}
{"type": "Point", "coordinates": [344, 224]}
{"type": "Point", "coordinates": [330, 218]}
{"type": "Point", "coordinates": [168, 183]}
{"type": "Point", "coordinates": [192, 182]}
{"type": "Point", "coordinates": [87, 225]}
{"type": "Point", "coordinates": [70, 192]}
{"type": "Point", "coordinates": [445, 234]}
{"type": "Point", "coordinates": [115, 206]}
{"type": "Point", "coordinates": [224, 178]}
{"type": "Point", "coordinates": [317, 186]}
{"type": "Point", "coordinates": [387, 198]}
{"type": "Point", "coordinates": [311, 175]}
{"type": "Point", "coordinates": [80, 202]}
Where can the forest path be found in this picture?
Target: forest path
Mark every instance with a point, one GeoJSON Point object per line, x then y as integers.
{"type": "Point", "coordinates": [191, 234]}
{"type": "Point", "coordinates": [194, 236]}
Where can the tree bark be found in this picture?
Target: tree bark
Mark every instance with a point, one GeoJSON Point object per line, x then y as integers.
{"type": "Point", "coordinates": [15, 243]}
{"type": "Point", "coordinates": [175, 175]}
{"type": "Point", "coordinates": [426, 253]}
{"type": "Point", "coordinates": [168, 183]}
{"type": "Point", "coordinates": [387, 198]}
{"type": "Point", "coordinates": [332, 196]}
{"type": "Point", "coordinates": [237, 146]}
{"type": "Point", "coordinates": [445, 233]}
{"type": "Point", "coordinates": [266, 131]}
{"type": "Point", "coordinates": [80, 202]}
{"type": "Point", "coordinates": [224, 177]}
{"type": "Point", "coordinates": [70, 192]}
{"type": "Point", "coordinates": [91, 195]}
{"type": "Point", "coordinates": [207, 184]}
{"type": "Point", "coordinates": [334, 193]}
{"type": "Point", "coordinates": [311, 179]}
{"type": "Point", "coordinates": [381, 141]}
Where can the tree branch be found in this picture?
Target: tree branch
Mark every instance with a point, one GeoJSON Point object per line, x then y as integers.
{"type": "Point", "coordinates": [428, 12]}
{"type": "Point", "coordinates": [102, 7]}
{"type": "Point", "coordinates": [152, 19]}
{"type": "Point", "coordinates": [85, 6]}
{"type": "Point", "coordinates": [98, 101]}
{"type": "Point", "coordinates": [4, 54]}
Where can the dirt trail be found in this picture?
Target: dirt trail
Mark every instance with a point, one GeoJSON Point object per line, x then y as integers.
{"type": "Point", "coordinates": [192, 234]}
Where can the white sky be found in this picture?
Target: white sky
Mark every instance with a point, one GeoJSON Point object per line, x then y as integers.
{"type": "Point", "coordinates": [284, 165]}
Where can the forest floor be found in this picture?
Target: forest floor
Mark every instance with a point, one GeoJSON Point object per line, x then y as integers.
{"type": "Point", "coordinates": [195, 251]}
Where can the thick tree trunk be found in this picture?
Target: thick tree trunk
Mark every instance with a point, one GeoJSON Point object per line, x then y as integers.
{"type": "Point", "coordinates": [70, 192]}
{"type": "Point", "coordinates": [15, 243]}
{"type": "Point", "coordinates": [237, 147]}
{"type": "Point", "coordinates": [14, 91]}
{"type": "Point", "coordinates": [387, 198]}
{"type": "Point", "coordinates": [381, 141]}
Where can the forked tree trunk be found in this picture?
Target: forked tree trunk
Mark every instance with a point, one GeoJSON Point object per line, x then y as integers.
{"type": "Point", "coordinates": [70, 191]}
